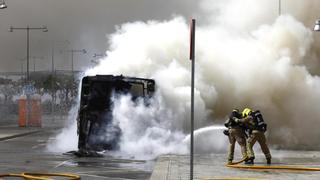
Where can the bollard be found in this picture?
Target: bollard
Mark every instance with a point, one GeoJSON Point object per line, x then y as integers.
{"type": "Point", "coordinates": [35, 117]}
{"type": "Point", "coordinates": [22, 111]}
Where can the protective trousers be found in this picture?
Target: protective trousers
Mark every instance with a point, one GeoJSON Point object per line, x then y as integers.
{"type": "Point", "coordinates": [261, 138]}
{"type": "Point", "coordinates": [236, 135]}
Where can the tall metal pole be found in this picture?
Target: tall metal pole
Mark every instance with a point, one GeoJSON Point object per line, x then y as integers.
{"type": "Point", "coordinates": [52, 84]}
{"type": "Point", "coordinates": [192, 58]}
{"type": "Point", "coordinates": [279, 7]}
{"type": "Point", "coordinates": [192, 119]}
{"type": "Point", "coordinates": [28, 114]}
{"type": "Point", "coordinates": [72, 51]}
{"type": "Point", "coordinates": [72, 93]}
{"type": "Point", "coordinates": [53, 75]}
{"type": "Point", "coordinates": [43, 28]}
{"type": "Point", "coordinates": [28, 54]}
{"type": "Point", "coordinates": [72, 65]}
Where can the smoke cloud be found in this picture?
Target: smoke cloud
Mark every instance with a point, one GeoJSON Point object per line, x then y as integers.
{"type": "Point", "coordinates": [243, 59]}
{"type": "Point", "coordinates": [146, 130]}
{"type": "Point", "coordinates": [67, 139]}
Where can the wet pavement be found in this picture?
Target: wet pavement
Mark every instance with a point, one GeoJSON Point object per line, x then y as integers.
{"type": "Point", "coordinates": [24, 150]}
{"type": "Point", "coordinates": [176, 167]}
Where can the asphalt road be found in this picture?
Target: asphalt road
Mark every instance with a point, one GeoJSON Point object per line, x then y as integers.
{"type": "Point", "coordinates": [24, 150]}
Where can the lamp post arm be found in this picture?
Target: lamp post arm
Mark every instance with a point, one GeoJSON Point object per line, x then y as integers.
{"type": "Point", "coordinates": [44, 28]}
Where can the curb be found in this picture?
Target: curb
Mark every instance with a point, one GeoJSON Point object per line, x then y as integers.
{"type": "Point", "coordinates": [18, 135]}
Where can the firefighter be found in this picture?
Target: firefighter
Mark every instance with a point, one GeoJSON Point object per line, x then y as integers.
{"type": "Point", "coordinates": [236, 134]}
{"type": "Point", "coordinates": [256, 126]}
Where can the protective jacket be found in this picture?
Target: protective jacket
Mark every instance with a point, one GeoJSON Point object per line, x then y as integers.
{"type": "Point", "coordinates": [235, 134]}
{"type": "Point", "coordinates": [256, 125]}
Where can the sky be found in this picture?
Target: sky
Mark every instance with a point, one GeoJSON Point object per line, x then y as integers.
{"type": "Point", "coordinates": [88, 24]}
{"type": "Point", "coordinates": [85, 24]}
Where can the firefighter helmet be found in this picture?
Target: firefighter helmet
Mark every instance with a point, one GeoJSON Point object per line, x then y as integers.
{"type": "Point", "coordinates": [246, 112]}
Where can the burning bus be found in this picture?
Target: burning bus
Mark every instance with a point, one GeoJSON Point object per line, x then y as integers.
{"type": "Point", "coordinates": [96, 129]}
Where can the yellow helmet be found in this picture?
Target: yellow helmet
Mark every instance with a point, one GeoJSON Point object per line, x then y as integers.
{"type": "Point", "coordinates": [246, 112]}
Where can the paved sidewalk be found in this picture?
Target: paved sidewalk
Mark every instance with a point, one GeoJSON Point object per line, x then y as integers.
{"type": "Point", "coordinates": [9, 132]}
{"type": "Point", "coordinates": [176, 167]}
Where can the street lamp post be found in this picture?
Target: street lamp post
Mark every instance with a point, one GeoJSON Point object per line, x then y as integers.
{"type": "Point", "coordinates": [43, 28]}
{"type": "Point", "coordinates": [279, 8]}
{"type": "Point", "coordinates": [54, 43]}
{"type": "Point", "coordinates": [72, 51]}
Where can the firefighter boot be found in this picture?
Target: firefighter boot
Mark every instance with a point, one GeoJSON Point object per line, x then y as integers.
{"type": "Point", "coordinates": [268, 161]}
{"type": "Point", "coordinates": [249, 161]}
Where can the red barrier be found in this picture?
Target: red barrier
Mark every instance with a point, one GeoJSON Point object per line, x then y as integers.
{"type": "Point", "coordinates": [35, 116]}
{"type": "Point", "coordinates": [22, 112]}
{"type": "Point", "coordinates": [29, 111]}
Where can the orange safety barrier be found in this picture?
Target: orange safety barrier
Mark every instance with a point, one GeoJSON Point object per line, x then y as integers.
{"type": "Point", "coordinates": [22, 112]}
{"type": "Point", "coordinates": [35, 116]}
{"type": "Point", "coordinates": [29, 111]}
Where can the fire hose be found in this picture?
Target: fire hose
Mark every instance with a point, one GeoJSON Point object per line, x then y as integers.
{"type": "Point", "coordinates": [41, 176]}
{"type": "Point", "coordinates": [293, 168]}
{"type": "Point", "coordinates": [270, 167]}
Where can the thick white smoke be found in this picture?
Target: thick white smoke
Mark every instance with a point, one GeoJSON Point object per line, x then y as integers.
{"type": "Point", "coordinates": [67, 139]}
{"type": "Point", "coordinates": [147, 130]}
{"type": "Point", "coordinates": [255, 60]}
{"type": "Point", "coordinates": [266, 69]}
